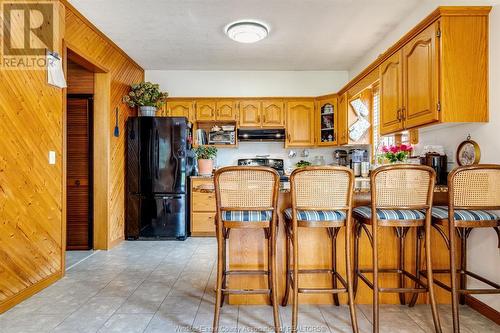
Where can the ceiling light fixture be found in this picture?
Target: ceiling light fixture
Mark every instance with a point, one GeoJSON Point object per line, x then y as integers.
{"type": "Point", "coordinates": [247, 31]}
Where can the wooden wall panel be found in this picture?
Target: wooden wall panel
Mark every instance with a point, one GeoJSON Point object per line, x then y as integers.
{"type": "Point", "coordinates": [82, 39]}
{"type": "Point", "coordinates": [30, 189]}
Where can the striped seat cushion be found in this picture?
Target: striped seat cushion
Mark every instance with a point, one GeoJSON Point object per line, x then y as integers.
{"type": "Point", "coordinates": [441, 212]}
{"type": "Point", "coordinates": [247, 215]}
{"type": "Point", "coordinates": [316, 215]}
{"type": "Point", "coordinates": [390, 214]}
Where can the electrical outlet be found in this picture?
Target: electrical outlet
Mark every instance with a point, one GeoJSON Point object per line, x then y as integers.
{"type": "Point", "coordinates": [52, 157]}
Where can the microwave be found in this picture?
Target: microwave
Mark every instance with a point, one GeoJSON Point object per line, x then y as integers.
{"type": "Point", "coordinates": [221, 138]}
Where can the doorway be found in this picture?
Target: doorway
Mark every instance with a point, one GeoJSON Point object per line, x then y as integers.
{"type": "Point", "coordinates": [79, 158]}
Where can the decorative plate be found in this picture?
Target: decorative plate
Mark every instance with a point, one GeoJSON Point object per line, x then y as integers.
{"type": "Point", "coordinates": [468, 152]}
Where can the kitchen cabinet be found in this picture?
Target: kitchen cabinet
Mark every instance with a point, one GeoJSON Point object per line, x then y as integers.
{"type": "Point", "coordinates": [250, 113]}
{"type": "Point", "coordinates": [205, 110]}
{"type": "Point", "coordinates": [342, 120]}
{"type": "Point", "coordinates": [203, 207]}
{"type": "Point", "coordinates": [226, 110]}
{"type": "Point", "coordinates": [262, 113]}
{"type": "Point", "coordinates": [391, 94]}
{"type": "Point", "coordinates": [179, 108]}
{"type": "Point", "coordinates": [439, 75]}
{"type": "Point", "coordinates": [300, 123]}
{"type": "Point", "coordinates": [273, 113]}
{"type": "Point", "coordinates": [326, 121]}
{"type": "Point", "coordinates": [420, 79]}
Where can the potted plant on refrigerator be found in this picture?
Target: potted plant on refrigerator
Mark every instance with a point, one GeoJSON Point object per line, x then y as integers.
{"type": "Point", "coordinates": [147, 97]}
{"type": "Point", "coordinates": [205, 156]}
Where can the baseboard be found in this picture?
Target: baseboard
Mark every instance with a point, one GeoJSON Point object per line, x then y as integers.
{"type": "Point", "coordinates": [203, 234]}
{"type": "Point", "coordinates": [30, 291]}
{"type": "Point", "coordinates": [483, 308]}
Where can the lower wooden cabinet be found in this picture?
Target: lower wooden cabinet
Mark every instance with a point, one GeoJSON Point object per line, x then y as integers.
{"type": "Point", "coordinates": [203, 208]}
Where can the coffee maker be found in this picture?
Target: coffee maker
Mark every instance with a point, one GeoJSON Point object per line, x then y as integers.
{"type": "Point", "coordinates": [439, 163]}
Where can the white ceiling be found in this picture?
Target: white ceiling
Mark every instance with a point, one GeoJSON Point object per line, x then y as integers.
{"type": "Point", "coordinates": [188, 34]}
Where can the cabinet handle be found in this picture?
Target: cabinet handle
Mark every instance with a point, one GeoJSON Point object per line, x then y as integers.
{"type": "Point", "coordinates": [403, 114]}
{"type": "Point", "coordinates": [265, 120]}
{"type": "Point", "coordinates": [399, 115]}
{"type": "Point", "coordinates": [288, 137]}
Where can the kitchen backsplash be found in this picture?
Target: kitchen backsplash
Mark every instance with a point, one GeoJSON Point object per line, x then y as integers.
{"type": "Point", "coordinates": [230, 156]}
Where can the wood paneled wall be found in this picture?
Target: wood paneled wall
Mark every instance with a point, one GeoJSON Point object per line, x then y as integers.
{"type": "Point", "coordinates": [83, 39]}
{"type": "Point", "coordinates": [31, 190]}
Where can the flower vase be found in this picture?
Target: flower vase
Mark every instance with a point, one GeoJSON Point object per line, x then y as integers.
{"type": "Point", "coordinates": [147, 111]}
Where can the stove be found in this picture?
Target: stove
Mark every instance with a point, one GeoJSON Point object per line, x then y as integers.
{"type": "Point", "coordinates": [275, 163]}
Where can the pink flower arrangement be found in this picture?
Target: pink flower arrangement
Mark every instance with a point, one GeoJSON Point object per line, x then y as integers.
{"type": "Point", "coordinates": [397, 153]}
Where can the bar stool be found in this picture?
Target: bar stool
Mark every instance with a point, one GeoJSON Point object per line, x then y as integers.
{"type": "Point", "coordinates": [402, 197]}
{"type": "Point", "coordinates": [321, 198]}
{"type": "Point", "coordinates": [473, 192]}
{"type": "Point", "coordinates": [247, 197]}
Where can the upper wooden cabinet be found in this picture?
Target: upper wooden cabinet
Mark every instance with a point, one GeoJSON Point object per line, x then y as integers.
{"type": "Point", "coordinates": [391, 94]}
{"type": "Point", "coordinates": [205, 110]}
{"type": "Point", "coordinates": [262, 113]}
{"type": "Point", "coordinates": [273, 113]}
{"type": "Point", "coordinates": [226, 110]}
{"type": "Point", "coordinates": [420, 79]}
{"type": "Point", "coordinates": [326, 121]}
{"type": "Point", "coordinates": [250, 113]}
{"type": "Point", "coordinates": [180, 109]}
{"type": "Point", "coordinates": [300, 123]}
{"type": "Point", "coordinates": [438, 72]}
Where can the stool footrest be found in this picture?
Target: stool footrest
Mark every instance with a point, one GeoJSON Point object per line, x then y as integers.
{"type": "Point", "coordinates": [322, 290]}
{"type": "Point", "coordinates": [393, 290]}
{"type": "Point", "coordinates": [247, 272]}
{"type": "Point", "coordinates": [247, 291]}
{"type": "Point", "coordinates": [468, 273]}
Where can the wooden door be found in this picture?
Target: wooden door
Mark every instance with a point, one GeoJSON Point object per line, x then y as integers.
{"type": "Point", "coordinates": [391, 94]}
{"type": "Point", "coordinates": [420, 70]}
{"type": "Point", "coordinates": [78, 176]}
{"type": "Point", "coordinates": [250, 113]}
{"type": "Point", "coordinates": [300, 123]}
{"type": "Point", "coordinates": [226, 110]}
{"type": "Point", "coordinates": [273, 113]}
{"type": "Point", "coordinates": [342, 120]}
{"type": "Point", "coordinates": [205, 110]}
{"type": "Point", "coordinates": [180, 109]}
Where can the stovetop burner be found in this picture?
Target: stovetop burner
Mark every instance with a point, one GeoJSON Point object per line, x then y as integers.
{"type": "Point", "coordinates": [275, 163]}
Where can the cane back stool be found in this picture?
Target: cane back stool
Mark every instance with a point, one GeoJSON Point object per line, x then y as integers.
{"type": "Point", "coordinates": [401, 196]}
{"type": "Point", "coordinates": [246, 197]}
{"type": "Point", "coordinates": [321, 198]}
{"type": "Point", "coordinates": [473, 195]}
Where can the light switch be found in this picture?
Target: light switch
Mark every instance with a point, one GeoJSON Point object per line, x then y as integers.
{"type": "Point", "coordinates": [52, 157]}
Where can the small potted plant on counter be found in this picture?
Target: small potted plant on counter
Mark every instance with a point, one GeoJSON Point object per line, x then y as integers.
{"type": "Point", "coordinates": [206, 156]}
{"type": "Point", "coordinates": [147, 97]}
{"type": "Point", "coordinates": [396, 153]}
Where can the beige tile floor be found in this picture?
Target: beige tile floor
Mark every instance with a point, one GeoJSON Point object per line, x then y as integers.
{"type": "Point", "coordinates": [168, 287]}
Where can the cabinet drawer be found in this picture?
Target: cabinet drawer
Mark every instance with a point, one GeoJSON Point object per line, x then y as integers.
{"type": "Point", "coordinates": [203, 224]}
{"type": "Point", "coordinates": [203, 202]}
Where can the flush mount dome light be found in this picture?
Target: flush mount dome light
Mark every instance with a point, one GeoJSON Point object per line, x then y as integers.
{"type": "Point", "coordinates": [247, 31]}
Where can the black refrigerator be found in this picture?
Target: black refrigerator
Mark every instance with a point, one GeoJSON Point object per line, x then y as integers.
{"type": "Point", "coordinates": [159, 162]}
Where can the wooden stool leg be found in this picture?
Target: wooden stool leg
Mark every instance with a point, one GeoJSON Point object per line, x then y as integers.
{"type": "Point", "coordinates": [453, 276]}
{"type": "Point", "coordinates": [220, 272]}
{"type": "Point", "coordinates": [463, 262]}
{"type": "Point", "coordinates": [269, 263]}
{"type": "Point", "coordinates": [430, 279]}
{"type": "Point", "coordinates": [334, 233]}
{"type": "Point", "coordinates": [284, 302]}
{"type": "Point", "coordinates": [224, 261]}
{"type": "Point", "coordinates": [295, 308]}
{"type": "Point", "coordinates": [273, 270]}
{"type": "Point", "coordinates": [375, 278]}
{"type": "Point", "coordinates": [357, 235]}
{"type": "Point", "coordinates": [350, 291]}
{"type": "Point", "coordinates": [401, 233]}
{"type": "Point", "coordinates": [418, 254]}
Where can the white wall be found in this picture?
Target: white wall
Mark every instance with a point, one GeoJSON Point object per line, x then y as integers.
{"type": "Point", "coordinates": [248, 83]}
{"type": "Point", "coordinates": [484, 256]}
{"type": "Point", "coordinates": [252, 84]}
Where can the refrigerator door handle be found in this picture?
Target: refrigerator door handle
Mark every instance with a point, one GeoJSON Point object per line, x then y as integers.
{"type": "Point", "coordinates": [171, 197]}
{"type": "Point", "coordinates": [157, 159]}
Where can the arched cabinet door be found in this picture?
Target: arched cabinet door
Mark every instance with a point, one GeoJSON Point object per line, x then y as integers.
{"type": "Point", "coordinates": [273, 113]}
{"type": "Point", "coordinates": [300, 123]}
{"type": "Point", "coordinates": [205, 110]}
{"type": "Point", "coordinates": [391, 94]}
{"type": "Point", "coordinates": [250, 113]}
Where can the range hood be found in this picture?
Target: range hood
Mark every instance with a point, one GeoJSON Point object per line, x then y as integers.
{"type": "Point", "coordinates": [274, 135]}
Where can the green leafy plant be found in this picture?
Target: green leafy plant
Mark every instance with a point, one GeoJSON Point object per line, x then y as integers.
{"type": "Point", "coordinates": [206, 152]}
{"type": "Point", "coordinates": [302, 164]}
{"type": "Point", "coordinates": [145, 94]}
